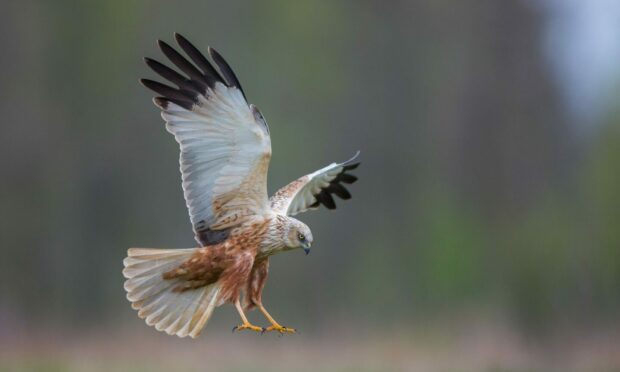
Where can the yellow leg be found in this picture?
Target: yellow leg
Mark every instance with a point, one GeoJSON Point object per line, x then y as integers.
{"type": "Point", "coordinates": [246, 324]}
{"type": "Point", "coordinates": [274, 325]}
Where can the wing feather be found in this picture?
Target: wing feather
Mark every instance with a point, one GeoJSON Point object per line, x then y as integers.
{"type": "Point", "coordinates": [314, 189]}
{"type": "Point", "coordinates": [210, 74]}
{"type": "Point", "coordinates": [225, 146]}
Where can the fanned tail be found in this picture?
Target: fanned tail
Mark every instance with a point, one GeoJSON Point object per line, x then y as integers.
{"type": "Point", "coordinates": [181, 313]}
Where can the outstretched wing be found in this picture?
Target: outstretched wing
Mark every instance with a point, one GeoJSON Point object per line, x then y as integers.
{"type": "Point", "coordinates": [225, 143]}
{"type": "Point", "coordinates": [313, 189]}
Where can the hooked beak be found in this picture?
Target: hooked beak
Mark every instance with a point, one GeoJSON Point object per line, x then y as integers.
{"type": "Point", "coordinates": [306, 247]}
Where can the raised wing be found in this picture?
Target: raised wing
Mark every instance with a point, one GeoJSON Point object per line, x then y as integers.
{"type": "Point", "coordinates": [225, 143]}
{"type": "Point", "coordinates": [313, 189]}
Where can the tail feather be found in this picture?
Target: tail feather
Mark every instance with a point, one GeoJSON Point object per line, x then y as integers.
{"type": "Point", "coordinates": [176, 313]}
{"type": "Point", "coordinates": [142, 262]}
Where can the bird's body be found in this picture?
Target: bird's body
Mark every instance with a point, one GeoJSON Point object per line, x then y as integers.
{"type": "Point", "coordinates": [225, 153]}
{"type": "Point", "coordinates": [252, 242]}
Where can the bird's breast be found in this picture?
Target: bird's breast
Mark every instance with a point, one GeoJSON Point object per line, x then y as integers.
{"type": "Point", "coordinates": [273, 239]}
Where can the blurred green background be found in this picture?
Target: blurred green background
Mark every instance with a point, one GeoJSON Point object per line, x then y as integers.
{"type": "Point", "coordinates": [483, 235]}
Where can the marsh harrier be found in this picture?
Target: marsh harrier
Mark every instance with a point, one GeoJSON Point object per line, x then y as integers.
{"type": "Point", "coordinates": [225, 152]}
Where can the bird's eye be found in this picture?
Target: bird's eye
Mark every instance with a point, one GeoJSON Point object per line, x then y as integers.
{"type": "Point", "coordinates": [301, 237]}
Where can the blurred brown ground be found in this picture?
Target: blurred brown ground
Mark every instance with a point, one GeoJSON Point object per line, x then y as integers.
{"type": "Point", "coordinates": [475, 347]}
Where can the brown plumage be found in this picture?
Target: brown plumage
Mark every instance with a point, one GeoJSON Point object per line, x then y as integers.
{"type": "Point", "coordinates": [225, 153]}
{"type": "Point", "coordinates": [255, 283]}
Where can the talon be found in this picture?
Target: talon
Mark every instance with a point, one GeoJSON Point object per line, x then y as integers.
{"type": "Point", "coordinates": [234, 329]}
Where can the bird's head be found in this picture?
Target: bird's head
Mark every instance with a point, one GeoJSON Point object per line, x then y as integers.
{"type": "Point", "coordinates": [298, 235]}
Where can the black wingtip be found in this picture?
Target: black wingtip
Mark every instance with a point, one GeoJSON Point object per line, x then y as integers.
{"type": "Point", "coordinates": [326, 199]}
{"type": "Point", "coordinates": [347, 178]}
{"type": "Point", "coordinates": [331, 204]}
{"type": "Point", "coordinates": [225, 69]}
{"type": "Point", "coordinates": [351, 166]}
{"type": "Point", "coordinates": [335, 187]}
{"type": "Point", "coordinates": [339, 190]}
{"type": "Point", "coordinates": [181, 97]}
{"type": "Point", "coordinates": [151, 62]}
{"type": "Point", "coordinates": [145, 82]}
{"type": "Point", "coordinates": [180, 39]}
{"type": "Point", "coordinates": [160, 102]}
{"type": "Point", "coordinates": [212, 51]}
{"type": "Point", "coordinates": [196, 74]}
{"type": "Point", "coordinates": [210, 73]}
{"type": "Point", "coordinates": [162, 44]}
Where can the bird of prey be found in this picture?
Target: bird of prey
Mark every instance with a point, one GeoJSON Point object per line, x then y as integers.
{"type": "Point", "coordinates": [225, 151]}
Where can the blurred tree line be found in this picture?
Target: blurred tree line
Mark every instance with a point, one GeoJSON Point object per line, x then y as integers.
{"type": "Point", "coordinates": [475, 190]}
